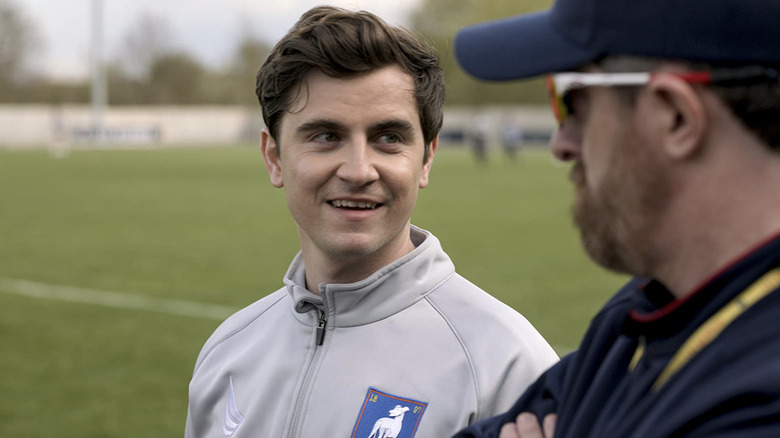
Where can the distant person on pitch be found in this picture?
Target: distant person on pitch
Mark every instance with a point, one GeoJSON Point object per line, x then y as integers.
{"type": "Point", "coordinates": [374, 334]}
{"type": "Point", "coordinates": [670, 114]}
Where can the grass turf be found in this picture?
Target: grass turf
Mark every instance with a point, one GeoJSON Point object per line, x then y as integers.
{"type": "Point", "coordinates": [205, 225]}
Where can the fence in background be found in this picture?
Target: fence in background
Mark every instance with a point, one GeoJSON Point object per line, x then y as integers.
{"type": "Point", "coordinates": [46, 126]}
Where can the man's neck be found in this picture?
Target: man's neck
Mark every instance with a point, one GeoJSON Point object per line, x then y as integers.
{"type": "Point", "coordinates": [717, 221]}
{"type": "Point", "coordinates": [326, 269]}
{"type": "Point", "coordinates": [698, 259]}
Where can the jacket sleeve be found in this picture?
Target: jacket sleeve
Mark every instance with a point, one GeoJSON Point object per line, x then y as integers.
{"type": "Point", "coordinates": [540, 398]}
{"type": "Point", "coordinates": [562, 385]}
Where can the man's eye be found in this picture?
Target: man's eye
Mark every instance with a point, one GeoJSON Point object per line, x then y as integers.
{"type": "Point", "coordinates": [325, 137]}
{"type": "Point", "coordinates": [567, 100]}
{"type": "Point", "coordinates": [575, 101]}
{"type": "Point", "coordinates": [389, 138]}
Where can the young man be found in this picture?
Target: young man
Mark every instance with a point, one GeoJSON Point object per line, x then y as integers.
{"type": "Point", "coordinates": [374, 334]}
{"type": "Point", "coordinates": [670, 113]}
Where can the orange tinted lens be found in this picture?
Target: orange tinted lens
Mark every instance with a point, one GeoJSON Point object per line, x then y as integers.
{"type": "Point", "coordinates": [557, 105]}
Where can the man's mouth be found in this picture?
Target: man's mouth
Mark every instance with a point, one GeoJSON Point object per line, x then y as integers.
{"type": "Point", "coordinates": [354, 205]}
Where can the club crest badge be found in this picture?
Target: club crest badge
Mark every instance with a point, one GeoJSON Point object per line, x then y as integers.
{"type": "Point", "coordinates": [388, 416]}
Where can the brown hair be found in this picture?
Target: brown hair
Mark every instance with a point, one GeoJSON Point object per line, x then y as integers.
{"type": "Point", "coordinates": [342, 43]}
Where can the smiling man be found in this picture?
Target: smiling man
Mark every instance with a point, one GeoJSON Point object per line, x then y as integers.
{"type": "Point", "coordinates": [374, 333]}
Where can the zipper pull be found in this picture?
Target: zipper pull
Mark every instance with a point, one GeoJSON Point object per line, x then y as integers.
{"type": "Point", "coordinates": [321, 328]}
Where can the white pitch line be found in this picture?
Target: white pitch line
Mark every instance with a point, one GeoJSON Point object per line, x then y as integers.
{"type": "Point", "coordinates": [115, 299]}
{"type": "Point", "coordinates": [137, 302]}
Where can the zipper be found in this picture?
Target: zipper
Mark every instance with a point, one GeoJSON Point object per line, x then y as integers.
{"type": "Point", "coordinates": [298, 409]}
{"type": "Point", "coordinates": [321, 327]}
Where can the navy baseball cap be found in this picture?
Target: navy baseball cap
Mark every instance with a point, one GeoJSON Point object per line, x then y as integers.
{"type": "Point", "coordinates": [575, 32]}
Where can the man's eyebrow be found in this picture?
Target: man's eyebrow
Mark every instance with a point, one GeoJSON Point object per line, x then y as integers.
{"type": "Point", "coordinates": [395, 124]}
{"type": "Point", "coordinates": [319, 124]}
{"type": "Point", "coordinates": [330, 125]}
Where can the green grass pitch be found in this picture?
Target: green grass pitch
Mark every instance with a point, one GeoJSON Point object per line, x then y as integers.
{"type": "Point", "coordinates": [205, 225]}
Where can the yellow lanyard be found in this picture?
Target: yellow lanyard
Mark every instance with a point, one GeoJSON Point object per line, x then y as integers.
{"type": "Point", "coordinates": [713, 327]}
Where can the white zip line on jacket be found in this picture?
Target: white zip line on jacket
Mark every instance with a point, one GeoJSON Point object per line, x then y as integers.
{"type": "Point", "coordinates": [127, 301]}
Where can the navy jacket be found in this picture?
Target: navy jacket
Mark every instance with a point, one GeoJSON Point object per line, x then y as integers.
{"type": "Point", "coordinates": [731, 388]}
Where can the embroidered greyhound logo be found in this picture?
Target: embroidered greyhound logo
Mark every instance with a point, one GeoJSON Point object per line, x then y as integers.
{"type": "Point", "coordinates": [403, 421]}
{"type": "Point", "coordinates": [390, 427]}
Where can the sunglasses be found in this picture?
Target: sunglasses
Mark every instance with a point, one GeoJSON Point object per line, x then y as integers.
{"type": "Point", "coordinates": [560, 85]}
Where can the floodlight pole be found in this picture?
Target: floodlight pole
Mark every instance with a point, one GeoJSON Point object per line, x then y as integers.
{"type": "Point", "coordinates": [99, 95]}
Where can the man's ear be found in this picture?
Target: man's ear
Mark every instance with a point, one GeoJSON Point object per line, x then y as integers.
{"type": "Point", "coordinates": [273, 162]}
{"type": "Point", "coordinates": [426, 170]}
{"type": "Point", "coordinates": [680, 115]}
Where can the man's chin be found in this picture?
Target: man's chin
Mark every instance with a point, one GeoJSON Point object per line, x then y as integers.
{"type": "Point", "coordinates": [353, 246]}
{"type": "Point", "coordinates": [597, 238]}
{"type": "Point", "coordinates": [605, 252]}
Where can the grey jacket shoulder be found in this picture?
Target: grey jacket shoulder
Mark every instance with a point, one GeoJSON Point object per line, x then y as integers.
{"type": "Point", "coordinates": [241, 320]}
{"type": "Point", "coordinates": [481, 323]}
{"type": "Point", "coordinates": [486, 315]}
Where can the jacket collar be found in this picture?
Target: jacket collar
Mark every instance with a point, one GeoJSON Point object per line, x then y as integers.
{"type": "Point", "coordinates": [657, 314]}
{"type": "Point", "coordinates": [386, 292]}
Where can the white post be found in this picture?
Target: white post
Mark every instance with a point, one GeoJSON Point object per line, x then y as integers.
{"type": "Point", "coordinates": [99, 84]}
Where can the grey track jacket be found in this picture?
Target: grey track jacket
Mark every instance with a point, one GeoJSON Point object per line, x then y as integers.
{"type": "Point", "coordinates": [415, 350]}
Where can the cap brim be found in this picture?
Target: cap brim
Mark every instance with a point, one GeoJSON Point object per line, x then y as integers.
{"type": "Point", "coordinates": [516, 48]}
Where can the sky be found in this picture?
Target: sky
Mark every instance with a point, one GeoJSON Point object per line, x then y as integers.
{"type": "Point", "coordinates": [208, 29]}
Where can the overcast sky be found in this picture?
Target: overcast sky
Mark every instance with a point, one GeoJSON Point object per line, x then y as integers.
{"type": "Point", "coordinates": [207, 29]}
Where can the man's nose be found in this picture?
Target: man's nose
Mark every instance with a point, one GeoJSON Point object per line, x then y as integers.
{"type": "Point", "coordinates": [358, 165]}
{"type": "Point", "coordinates": [566, 143]}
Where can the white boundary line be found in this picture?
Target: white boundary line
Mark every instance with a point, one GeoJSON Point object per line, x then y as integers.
{"type": "Point", "coordinates": [133, 302]}
{"type": "Point", "coordinates": [115, 299]}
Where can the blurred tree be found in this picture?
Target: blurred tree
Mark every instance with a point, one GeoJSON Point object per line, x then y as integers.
{"type": "Point", "coordinates": [175, 78]}
{"type": "Point", "coordinates": [235, 83]}
{"type": "Point", "coordinates": [440, 20]}
{"type": "Point", "coordinates": [249, 55]}
{"type": "Point", "coordinates": [149, 38]}
{"type": "Point", "coordinates": [19, 43]}
{"type": "Point", "coordinates": [151, 69]}
{"type": "Point", "coordinates": [124, 89]}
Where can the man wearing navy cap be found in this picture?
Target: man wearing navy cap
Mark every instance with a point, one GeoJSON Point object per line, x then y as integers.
{"type": "Point", "coordinates": [669, 111]}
